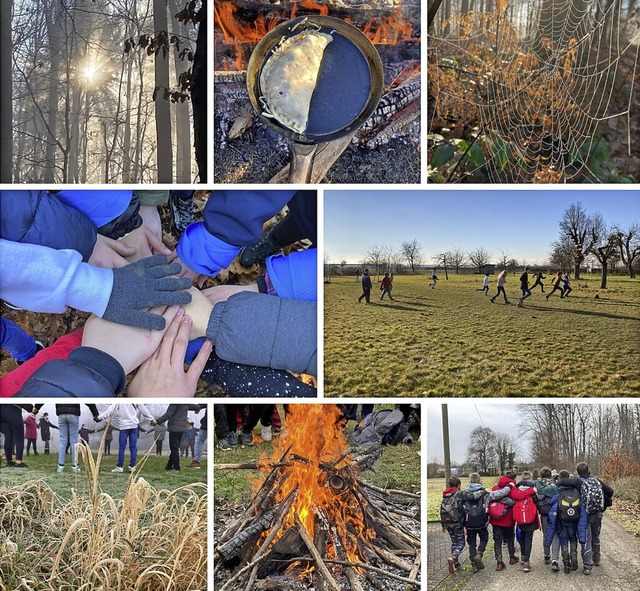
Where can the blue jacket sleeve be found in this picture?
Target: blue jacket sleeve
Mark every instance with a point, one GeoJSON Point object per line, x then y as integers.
{"type": "Point", "coordinates": [295, 276]}
{"type": "Point", "coordinates": [38, 217]}
{"type": "Point", "coordinates": [232, 219]}
{"type": "Point", "coordinates": [258, 329]}
{"type": "Point", "coordinates": [87, 372]}
{"type": "Point", "coordinates": [101, 207]}
{"type": "Point", "coordinates": [583, 524]}
{"type": "Point", "coordinates": [552, 522]}
{"type": "Point", "coordinates": [41, 279]}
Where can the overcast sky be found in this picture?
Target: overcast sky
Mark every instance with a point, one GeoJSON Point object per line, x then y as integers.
{"type": "Point", "coordinates": [464, 416]}
{"type": "Point", "coordinates": [523, 223]}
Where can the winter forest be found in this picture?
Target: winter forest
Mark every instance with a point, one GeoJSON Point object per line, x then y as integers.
{"type": "Point", "coordinates": [103, 91]}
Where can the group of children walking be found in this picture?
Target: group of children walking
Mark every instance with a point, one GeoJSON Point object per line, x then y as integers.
{"type": "Point", "coordinates": [567, 509]}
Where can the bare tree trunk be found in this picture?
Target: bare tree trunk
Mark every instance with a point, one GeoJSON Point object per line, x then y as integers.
{"type": "Point", "coordinates": [6, 92]}
{"type": "Point", "coordinates": [164, 155]}
{"type": "Point", "coordinates": [183, 121]}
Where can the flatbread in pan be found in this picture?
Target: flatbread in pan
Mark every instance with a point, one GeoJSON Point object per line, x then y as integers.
{"type": "Point", "coordinates": [289, 77]}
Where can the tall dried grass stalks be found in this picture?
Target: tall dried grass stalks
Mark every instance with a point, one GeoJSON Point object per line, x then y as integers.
{"type": "Point", "coordinates": [151, 540]}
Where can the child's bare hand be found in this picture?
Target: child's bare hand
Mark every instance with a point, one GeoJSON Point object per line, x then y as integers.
{"type": "Point", "coordinates": [110, 254]}
{"type": "Point", "coordinates": [163, 373]}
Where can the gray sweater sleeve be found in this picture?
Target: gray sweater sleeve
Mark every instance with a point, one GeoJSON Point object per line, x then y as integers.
{"type": "Point", "coordinates": [259, 329]}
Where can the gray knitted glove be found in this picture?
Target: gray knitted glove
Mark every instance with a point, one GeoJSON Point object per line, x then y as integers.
{"type": "Point", "coordinates": [144, 284]}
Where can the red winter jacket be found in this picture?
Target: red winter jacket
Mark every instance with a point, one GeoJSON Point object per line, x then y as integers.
{"type": "Point", "coordinates": [31, 427]}
{"type": "Point", "coordinates": [507, 520]}
{"type": "Point", "coordinates": [519, 494]}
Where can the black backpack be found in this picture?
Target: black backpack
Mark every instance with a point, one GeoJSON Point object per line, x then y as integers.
{"type": "Point", "coordinates": [544, 504]}
{"type": "Point", "coordinates": [450, 508]}
{"type": "Point", "coordinates": [569, 504]}
{"type": "Point", "coordinates": [475, 513]}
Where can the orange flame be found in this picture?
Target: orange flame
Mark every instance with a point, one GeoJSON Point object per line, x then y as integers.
{"type": "Point", "coordinates": [314, 432]}
{"type": "Point", "coordinates": [387, 31]}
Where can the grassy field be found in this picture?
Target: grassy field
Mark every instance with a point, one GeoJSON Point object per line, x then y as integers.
{"type": "Point", "coordinates": [43, 467]}
{"type": "Point", "coordinates": [451, 341]}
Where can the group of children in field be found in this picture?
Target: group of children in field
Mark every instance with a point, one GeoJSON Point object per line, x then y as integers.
{"type": "Point", "coordinates": [565, 289]}
{"type": "Point", "coordinates": [567, 509]}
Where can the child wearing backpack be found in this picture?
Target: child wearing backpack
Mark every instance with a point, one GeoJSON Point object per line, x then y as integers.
{"type": "Point", "coordinates": [547, 489]}
{"type": "Point", "coordinates": [502, 523]}
{"type": "Point", "coordinates": [596, 496]}
{"type": "Point", "coordinates": [451, 517]}
{"type": "Point", "coordinates": [525, 514]}
{"type": "Point", "coordinates": [475, 501]}
{"type": "Point", "coordinates": [567, 520]}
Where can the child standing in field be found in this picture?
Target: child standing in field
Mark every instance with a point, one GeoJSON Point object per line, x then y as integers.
{"type": "Point", "coordinates": [502, 279]}
{"type": "Point", "coordinates": [485, 284]}
{"type": "Point", "coordinates": [366, 287]}
{"type": "Point", "coordinates": [127, 419]}
{"type": "Point", "coordinates": [31, 431]}
{"type": "Point", "coordinates": [566, 288]}
{"type": "Point", "coordinates": [451, 517]}
{"type": "Point", "coordinates": [556, 285]}
{"type": "Point", "coordinates": [385, 286]}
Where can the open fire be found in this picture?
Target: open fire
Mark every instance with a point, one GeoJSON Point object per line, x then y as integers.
{"type": "Point", "coordinates": [313, 518]}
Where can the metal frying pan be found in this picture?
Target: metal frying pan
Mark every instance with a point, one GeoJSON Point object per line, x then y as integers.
{"type": "Point", "coordinates": [347, 92]}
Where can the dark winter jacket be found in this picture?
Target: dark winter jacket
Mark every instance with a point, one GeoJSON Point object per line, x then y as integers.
{"type": "Point", "coordinates": [177, 417]}
{"type": "Point", "coordinates": [452, 493]}
{"type": "Point", "coordinates": [45, 429]}
{"type": "Point", "coordinates": [577, 483]}
{"type": "Point", "coordinates": [87, 372]}
{"type": "Point", "coordinates": [366, 281]}
{"type": "Point", "coordinates": [555, 524]}
{"type": "Point", "coordinates": [547, 489]}
{"type": "Point", "coordinates": [74, 409]}
{"type": "Point", "coordinates": [507, 520]}
{"type": "Point", "coordinates": [39, 217]}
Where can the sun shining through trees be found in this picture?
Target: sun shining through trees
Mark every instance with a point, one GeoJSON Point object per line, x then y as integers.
{"type": "Point", "coordinates": [101, 92]}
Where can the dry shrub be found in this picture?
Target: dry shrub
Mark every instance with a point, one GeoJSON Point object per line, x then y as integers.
{"type": "Point", "coordinates": [150, 540]}
{"type": "Point", "coordinates": [619, 464]}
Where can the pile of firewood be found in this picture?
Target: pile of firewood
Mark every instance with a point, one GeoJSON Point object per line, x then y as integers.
{"type": "Point", "coordinates": [369, 538]}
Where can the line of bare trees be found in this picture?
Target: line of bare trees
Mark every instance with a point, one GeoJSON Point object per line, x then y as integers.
{"type": "Point", "coordinates": [562, 435]}
{"type": "Point", "coordinates": [583, 235]}
{"type": "Point", "coordinates": [489, 451]}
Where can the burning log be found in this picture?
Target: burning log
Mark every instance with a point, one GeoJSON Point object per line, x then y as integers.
{"type": "Point", "coordinates": [312, 512]}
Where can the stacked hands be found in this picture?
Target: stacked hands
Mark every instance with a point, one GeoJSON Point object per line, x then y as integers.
{"type": "Point", "coordinates": [146, 310]}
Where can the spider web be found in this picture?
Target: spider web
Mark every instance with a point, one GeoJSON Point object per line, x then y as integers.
{"type": "Point", "coordinates": [527, 84]}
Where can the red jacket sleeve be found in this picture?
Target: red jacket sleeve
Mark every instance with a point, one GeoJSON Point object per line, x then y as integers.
{"type": "Point", "coordinates": [520, 495]}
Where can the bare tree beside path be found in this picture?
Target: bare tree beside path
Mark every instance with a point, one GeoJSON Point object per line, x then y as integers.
{"type": "Point", "coordinates": [618, 571]}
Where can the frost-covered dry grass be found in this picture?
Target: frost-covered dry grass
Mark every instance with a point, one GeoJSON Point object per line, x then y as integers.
{"type": "Point", "coordinates": [451, 341]}
{"type": "Point", "coordinates": [149, 539]}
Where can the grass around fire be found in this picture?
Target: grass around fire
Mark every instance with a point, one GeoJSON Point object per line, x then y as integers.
{"type": "Point", "coordinates": [399, 468]}
{"type": "Point", "coordinates": [451, 341]}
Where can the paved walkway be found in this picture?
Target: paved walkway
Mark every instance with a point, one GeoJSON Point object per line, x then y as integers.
{"type": "Point", "coordinates": [619, 570]}
{"type": "Point", "coordinates": [438, 550]}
